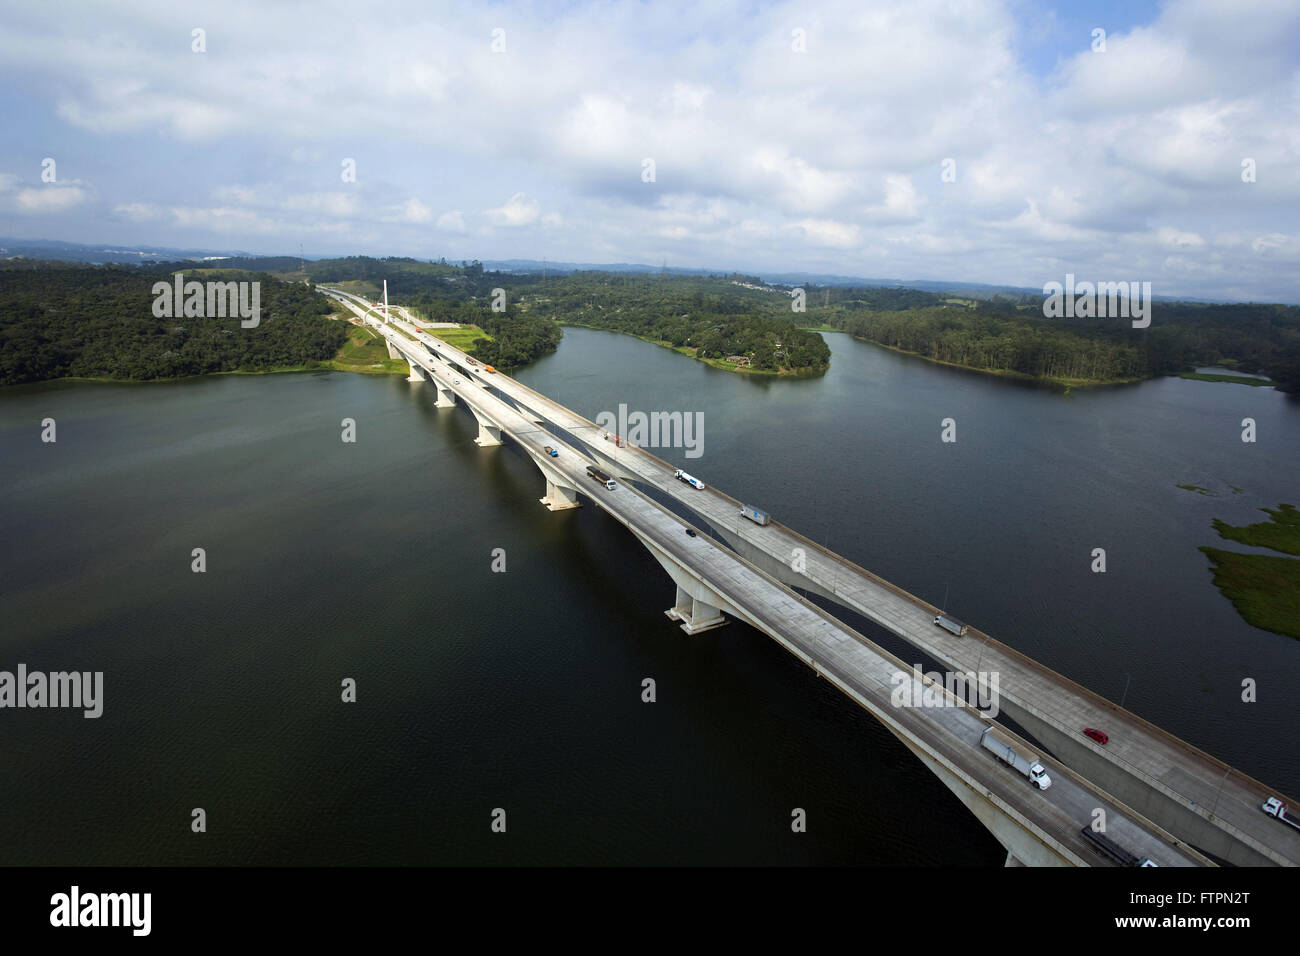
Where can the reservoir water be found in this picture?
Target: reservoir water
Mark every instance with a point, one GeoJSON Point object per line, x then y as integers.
{"type": "Point", "coordinates": [478, 690]}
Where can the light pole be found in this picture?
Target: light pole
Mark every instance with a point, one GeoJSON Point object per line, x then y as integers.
{"type": "Point", "coordinates": [1127, 677]}
{"type": "Point", "coordinates": [1220, 791]}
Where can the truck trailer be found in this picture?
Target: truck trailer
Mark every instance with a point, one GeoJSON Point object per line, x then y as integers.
{"type": "Point", "coordinates": [755, 515]}
{"type": "Point", "coordinates": [1276, 808]}
{"type": "Point", "coordinates": [1015, 755]}
{"type": "Point", "coordinates": [689, 479]}
{"type": "Point", "coordinates": [1109, 848]}
{"type": "Point", "coordinates": [600, 476]}
{"type": "Point", "coordinates": [951, 624]}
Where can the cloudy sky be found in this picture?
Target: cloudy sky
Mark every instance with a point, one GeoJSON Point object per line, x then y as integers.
{"type": "Point", "coordinates": [804, 136]}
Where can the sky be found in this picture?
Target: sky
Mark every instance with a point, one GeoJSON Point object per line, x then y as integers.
{"type": "Point", "coordinates": [997, 141]}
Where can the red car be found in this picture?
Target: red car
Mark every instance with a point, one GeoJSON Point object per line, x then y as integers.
{"type": "Point", "coordinates": [1096, 735]}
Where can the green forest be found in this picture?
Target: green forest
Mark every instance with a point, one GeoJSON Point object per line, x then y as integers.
{"type": "Point", "coordinates": [709, 317]}
{"type": "Point", "coordinates": [61, 320]}
{"type": "Point", "coordinates": [1012, 336]}
{"type": "Point", "coordinates": [71, 320]}
{"type": "Point", "coordinates": [712, 317]}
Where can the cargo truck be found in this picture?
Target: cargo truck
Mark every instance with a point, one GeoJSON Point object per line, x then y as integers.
{"type": "Point", "coordinates": [951, 624]}
{"type": "Point", "coordinates": [1015, 755]}
{"type": "Point", "coordinates": [1109, 848]}
{"type": "Point", "coordinates": [600, 476]}
{"type": "Point", "coordinates": [689, 479]}
{"type": "Point", "coordinates": [755, 515]}
{"type": "Point", "coordinates": [1276, 808]}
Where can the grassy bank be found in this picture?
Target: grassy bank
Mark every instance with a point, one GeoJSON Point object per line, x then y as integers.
{"type": "Point", "coordinates": [1263, 588]}
{"type": "Point", "coordinates": [461, 338]}
{"type": "Point", "coordinates": [366, 353]}
{"type": "Point", "coordinates": [1234, 379]}
{"type": "Point", "coordinates": [1280, 533]}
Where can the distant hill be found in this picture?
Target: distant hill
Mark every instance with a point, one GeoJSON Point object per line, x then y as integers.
{"type": "Point", "coordinates": [117, 254]}
{"type": "Point", "coordinates": [132, 254]}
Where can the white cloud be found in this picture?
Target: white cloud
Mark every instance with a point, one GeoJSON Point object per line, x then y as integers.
{"type": "Point", "coordinates": [410, 211]}
{"type": "Point", "coordinates": [765, 158]}
{"type": "Point", "coordinates": [828, 232]}
{"type": "Point", "coordinates": [1169, 236]}
{"type": "Point", "coordinates": [50, 198]}
{"type": "Point", "coordinates": [451, 221]}
{"type": "Point", "coordinates": [517, 211]}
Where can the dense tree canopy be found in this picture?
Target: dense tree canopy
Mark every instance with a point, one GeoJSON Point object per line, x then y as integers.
{"type": "Point", "coordinates": [1014, 336]}
{"type": "Point", "coordinates": [66, 319]}
{"type": "Point", "coordinates": [62, 320]}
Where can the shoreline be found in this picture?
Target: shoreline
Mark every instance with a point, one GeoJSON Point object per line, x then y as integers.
{"type": "Point", "coordinates": [1055, 382]}
{"type": "Point", "coordinates": [719, 364]}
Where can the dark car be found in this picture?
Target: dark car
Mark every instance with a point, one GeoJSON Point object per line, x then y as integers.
{"type": "Point", "coordinates": [691, 532]}
{"type": "Point", "coordinates": [1095, 734]}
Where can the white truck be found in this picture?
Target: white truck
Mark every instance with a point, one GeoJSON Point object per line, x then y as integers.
{"type": "Point", "coordinates": [689, 479]}
{"type": "Point", "coordinates": [1015, 755]}
{"type": "Point", "coordinates": [949, 623]}
{"type": "Point", "coordinates": [1276, 808]}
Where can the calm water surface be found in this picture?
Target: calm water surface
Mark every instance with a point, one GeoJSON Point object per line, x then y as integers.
{"type": "Point", "coordinates": [521, 690]}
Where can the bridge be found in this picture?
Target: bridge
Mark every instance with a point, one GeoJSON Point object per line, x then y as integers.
{"type": "Point", "coordinates": [1163, 799]}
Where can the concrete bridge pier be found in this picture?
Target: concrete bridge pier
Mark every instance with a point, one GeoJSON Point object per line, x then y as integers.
{"type": "Point", "coordinates": [446, 397]}
{"type": "Point", "coordinates": [392, 350]}
{"type": "Point", "coordinates": [559, 497]}
{"type": "Point", "coordinates": [489, 432]}
{"type": "Point", "coordinates": [695, 615]}
{"type": "Point", "coordinates": [418, 374]}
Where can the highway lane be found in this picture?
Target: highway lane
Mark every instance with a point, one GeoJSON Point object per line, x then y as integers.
{"type": "Point", "coordinates": [1154, 758]}
{"type": "Point", "coordinates": [858, 667]}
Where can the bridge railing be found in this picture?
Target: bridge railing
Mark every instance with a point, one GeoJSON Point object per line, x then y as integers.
{"type": "Point", "coordinates": [1024, 660]}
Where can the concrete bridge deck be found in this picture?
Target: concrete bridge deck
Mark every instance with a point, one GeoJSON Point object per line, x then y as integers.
{"type": "Point", "coordinates": [1179, 786]}
{"type": "Point", "coordinates": [945, 738]}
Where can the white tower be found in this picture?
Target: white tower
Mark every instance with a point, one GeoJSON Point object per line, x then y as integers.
{"type": "Point", "coordinates": [385, 300]}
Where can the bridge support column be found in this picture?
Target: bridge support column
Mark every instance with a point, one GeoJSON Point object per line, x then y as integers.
{"type": "Point", "coordinates": [559, 498]}
{"type": "Point", "coordinates": [695, 615]}
{"type": "Point", "coordinates": [392, 350]}
{"type": "Point", "coordinates": [446, 397]}
{"type": "Point", "coordinates": [418, 374]}
{"type": "Point", "coordinates": [489, 432]}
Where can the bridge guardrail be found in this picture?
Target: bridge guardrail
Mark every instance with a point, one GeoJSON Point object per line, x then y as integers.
{"type": "Point", "coordinates": [1025, 661]}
